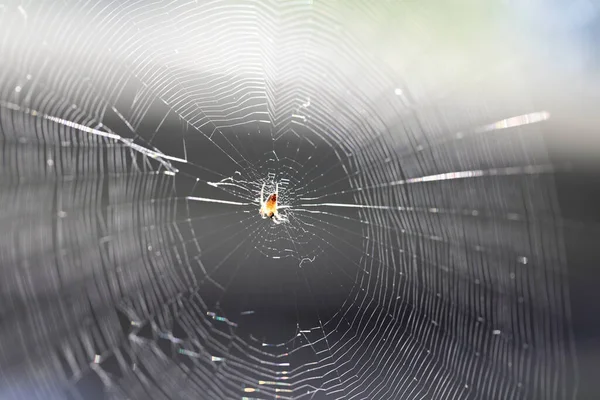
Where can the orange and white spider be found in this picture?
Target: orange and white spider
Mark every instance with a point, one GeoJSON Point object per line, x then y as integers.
{"type": "Point", "coordinates": [268, 207]}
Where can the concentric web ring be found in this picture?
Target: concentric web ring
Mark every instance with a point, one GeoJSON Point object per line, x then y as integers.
{"type": "Point", "coordinates": [137, 137]}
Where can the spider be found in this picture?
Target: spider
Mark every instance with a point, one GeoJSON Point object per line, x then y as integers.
{"type": "Point", "coordinates": [268, 208]}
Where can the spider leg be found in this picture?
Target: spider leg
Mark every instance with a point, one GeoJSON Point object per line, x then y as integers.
{"type": "Point", "coordinates": [262, 194]}
{"type": "Point", "coordinates": [279, 218]}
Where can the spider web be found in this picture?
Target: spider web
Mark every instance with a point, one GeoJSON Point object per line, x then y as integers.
{"type": "Point", "coordinates": [421, 257]}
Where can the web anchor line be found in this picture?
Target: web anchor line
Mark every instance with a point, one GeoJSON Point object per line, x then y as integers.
{"type": "Point", "coordinates": [154, 154]}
